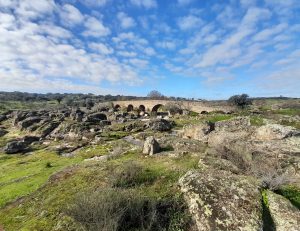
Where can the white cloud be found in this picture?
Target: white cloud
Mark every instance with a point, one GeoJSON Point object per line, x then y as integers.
{"type": "Point", "coordinates": [38, 55]}
{"type": "Point", "coordinates": [225, 52]}
{"type": "Point", "coordinates": [95, 28]}
{"type": "Point", "coordinates": [166, 45]}
{"type": "Point", "coordinates": [70, 15]}
{"type": "Point", "coordinates": [34, 9]}
{"type": "Point", "coordinates": [127, 54]}
{"type": "Point", "coordinates": [184, 2]}
{"type": "Point", "coordinates": [269, 32]}
{"type": "Point", "coordinates": [144, 3]}
{"type": "Point", "coordinates": [140, 63]}
{"type": "Point", "coordinates": [125, 21]}
{"type": "Point", "coordinates": [95, 3]}
{"type": "Point", "coordinates": [101, 48]}
{"type": "Point", "coordinates": [189, 22]}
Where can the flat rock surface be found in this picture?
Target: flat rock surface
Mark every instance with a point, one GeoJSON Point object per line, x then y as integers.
{"type": "Point", "coordinates": [219, 200]}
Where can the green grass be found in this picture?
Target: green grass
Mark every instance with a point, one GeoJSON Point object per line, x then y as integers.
{"type": "Point", "coordinates": [292, 124]}
{"type": "Point", "coordinates": [256, 121]}
{"type": "Point", "coordinates": [289, 111]}
{"type": "Point", "coordinates": [44, 208]}
{"type": "Point", "coordinates": [23, 174]}
{"type": "Point", "coordinates": [292, 193]}
{"type": "Point", "coordinates": [19, 105]}
{"type": "Point", "coordinates": [218, 117]}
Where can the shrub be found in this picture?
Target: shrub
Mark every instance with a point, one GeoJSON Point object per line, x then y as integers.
{"type": "Point", "coordinates": [271, 174]}
{"type": "Point", "coordinates": [131, 174]}
{"type": "Point", "coordinates": [119, 210]}
{"type": "Point", "coordinates": [240, 101]}
{"type": "Point", "coordinates": [173, 108]}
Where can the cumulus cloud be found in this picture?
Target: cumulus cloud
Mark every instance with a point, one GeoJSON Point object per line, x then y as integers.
{"type": "Point", "coordinates": [144, 3]}
{"type": "Point", "coordinates": [189, 22]}
{"type": "Point", "coordinates": [166, 45]}
{"type": "Point", "coordinates": [125, 21]}
{"type": "Point", "coordinates": [184, 2]}
{"type": "Point", "coordinates": [95, 28]}
{"type": "Point", "coordinates": [101, 48]}
{"type": "Point", "coordinates": [70, 15]}
{"type": "Point", "coordinates": [37, 52]}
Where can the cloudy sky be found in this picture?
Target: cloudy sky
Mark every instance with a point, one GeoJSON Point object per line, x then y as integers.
{"type": "Point", "coordinates": [193, 48]}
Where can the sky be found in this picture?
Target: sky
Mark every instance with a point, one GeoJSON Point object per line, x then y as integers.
{"type": "Point", "coordinates": [189, 48]}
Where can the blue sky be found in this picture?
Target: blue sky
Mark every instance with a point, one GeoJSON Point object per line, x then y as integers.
{"type": "Point", "coordinates": [191, 48]}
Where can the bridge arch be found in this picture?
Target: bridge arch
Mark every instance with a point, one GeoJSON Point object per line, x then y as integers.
{"type": "Point", "coordinates": [156, 107]}
{"type": "Point", "coordinates": [117, 107]}
{"type": "Point", "coordinates": [129, 108]}
{"type": "Point", "coordinates": [142, 108]}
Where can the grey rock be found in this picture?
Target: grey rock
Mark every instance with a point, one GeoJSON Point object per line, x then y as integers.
{"type": "Point", "coordinates": [151, 146]}
{"type": "Point", "coordinates": [29, 121]}
{"type": "Point", "coordinates": [275, 132]}
{"type": "Point", "coordinates": [220, 200]}
{"type": "Point", "coordinates": [15, 147]}
{"type": "Point", "coordinates": [284, 214]}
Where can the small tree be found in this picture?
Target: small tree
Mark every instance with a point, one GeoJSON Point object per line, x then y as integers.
{"type": "Point", "coordinates": [58, 98]}
{"type": "Point", "coordinates": [155, 95]}
{"type": "Point", "coordinates": [240, 101]}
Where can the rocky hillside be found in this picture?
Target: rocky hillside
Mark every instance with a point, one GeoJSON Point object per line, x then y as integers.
{"type": "Point", "coordinates": [80, 169]}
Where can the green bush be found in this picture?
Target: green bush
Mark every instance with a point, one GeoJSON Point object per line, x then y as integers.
{"type": "Point", "coordinates": [122, 210]}
{"type": "Point", "coordinates": [131, 174]}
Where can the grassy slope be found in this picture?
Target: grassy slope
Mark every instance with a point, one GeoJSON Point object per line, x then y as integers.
{"type": "Point", "coordinates": [14, 105]}
{"type": "Point", "coordinates": [43, 209]}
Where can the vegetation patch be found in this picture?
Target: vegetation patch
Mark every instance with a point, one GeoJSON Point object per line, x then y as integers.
{"type": "Point", "coordinates": [256, 121]}
{"type": "Point", "coordinates": [116, 209]}
{"type": "Point", "coordinates": [292, 193]}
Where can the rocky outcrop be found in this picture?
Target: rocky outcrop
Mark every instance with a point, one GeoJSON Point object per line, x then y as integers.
{"type": "Point", "coordinates": [275, 132]}
{"type": "Point", "coordinates": [15, 147]}
{"type": "Point", "coordinates": [29, 121]}
{"type": "Point", "coordinates": [159, 125]}
{"type": "Point", "coordinates": [198, 131]}
{"type": "Point", "coordinates": [151, 146]}
{"type": "Point", "coordinates": [95, 118]}
{"type": "Point", "coordinates": [232, 125]}
{"type": "Point", "coordinates": [219, 200]}
{"type": "Point", "coordinates": [285, 216]}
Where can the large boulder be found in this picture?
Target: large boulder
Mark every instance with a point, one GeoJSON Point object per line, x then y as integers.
{"type": "Point", "coordinates": [285, 216]}
{"type": "Point", "coordinates": [275, 132]}
{"type": "Point", "coordinates": [29, 121]}
{"type": "Point", "coordinates": [47, 128]}
{"type": "Point", "coordinates": [232, 125]}
{"type": "Point", "coordinates": [197, 132]}
{"type": "Point", "coordinates": [151, 146]}
{"type": "Point", "coordinates": [15, 147]}
{"type": "Point", "coordinates": [220, 200]}
{"type": "Point", "coordinates": [95, 117]}
{"type": "Point", "coordinates": [159, 125]}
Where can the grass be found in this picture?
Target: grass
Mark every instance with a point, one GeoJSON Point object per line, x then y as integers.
{"type": "Point", "coordinates": [292, 193]}
{"type": "Point", "coordinates": [23, 174]}
{"type": "Point", "coordinates": [256, 121]}
{"type": "Point", "coordinates": [218, 117]}
{"type": "Point", "coordinates": [43, 208]}
{"type": "Point", "coordinates": [33, 105]}
{"type": "Point", "coordinates": [288, 111]}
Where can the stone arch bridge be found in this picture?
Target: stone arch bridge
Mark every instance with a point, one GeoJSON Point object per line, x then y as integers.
{"type": "Point", "coordinates": [154, 105]}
